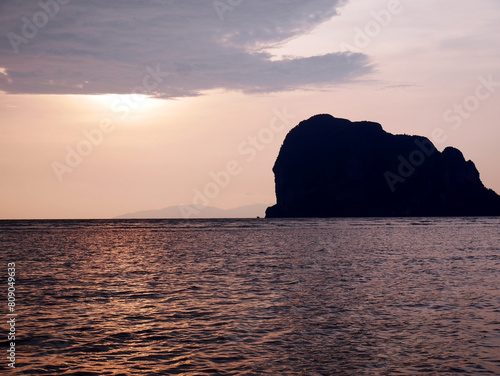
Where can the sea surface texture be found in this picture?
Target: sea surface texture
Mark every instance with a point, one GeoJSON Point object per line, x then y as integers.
{"type": "Point", "coordinates": [415, 296]}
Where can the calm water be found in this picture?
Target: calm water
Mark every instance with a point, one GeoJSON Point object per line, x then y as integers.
{"type": "Point", "coordinates": [255, 297]}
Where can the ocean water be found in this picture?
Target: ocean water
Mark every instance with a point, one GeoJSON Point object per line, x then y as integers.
{"type": "Point", "coordinates": [415, 296]}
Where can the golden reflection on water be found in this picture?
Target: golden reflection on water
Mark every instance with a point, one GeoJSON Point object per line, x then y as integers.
{"type": "Point", "coordinates": [232, 297]}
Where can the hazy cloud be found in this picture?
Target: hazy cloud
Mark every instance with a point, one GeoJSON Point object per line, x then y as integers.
{"type": "Point", "coordinates": [94, 46]}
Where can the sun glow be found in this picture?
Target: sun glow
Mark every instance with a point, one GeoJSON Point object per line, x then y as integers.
{"type": "Point", "coordinates": [127, 102]}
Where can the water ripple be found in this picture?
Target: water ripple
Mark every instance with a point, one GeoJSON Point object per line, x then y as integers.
{"type": "Point", "coordinates": [362, 296]}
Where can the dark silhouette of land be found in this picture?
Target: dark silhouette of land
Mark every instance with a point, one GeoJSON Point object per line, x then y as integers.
{"type": "Point", "coordinates": [330, 167]}
{"type": "Point", "coordinates": [191, 211]}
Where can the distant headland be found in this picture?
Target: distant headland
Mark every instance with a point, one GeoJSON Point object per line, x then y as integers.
{"type": "Point", "coordinates": [331, 167]}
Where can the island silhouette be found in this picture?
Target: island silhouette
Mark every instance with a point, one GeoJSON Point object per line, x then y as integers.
{"type": "Point", "coordinates": [331, 167]}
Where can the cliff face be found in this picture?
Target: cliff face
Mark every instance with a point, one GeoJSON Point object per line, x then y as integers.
{"type": "Point", "coordinates": [329, 167]}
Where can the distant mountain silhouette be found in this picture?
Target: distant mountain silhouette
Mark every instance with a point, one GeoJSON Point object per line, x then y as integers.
{"type": "Point", "coordinates": [187, 211]}
{"type": "Point", "coordinates": [330, 167]}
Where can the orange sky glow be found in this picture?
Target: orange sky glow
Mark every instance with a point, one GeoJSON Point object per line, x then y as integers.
{"type": "Point", "coordinates": [89, 132]}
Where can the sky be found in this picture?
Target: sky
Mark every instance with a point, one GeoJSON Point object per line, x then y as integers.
{"type": "Point", "coordinates": [111, 107]}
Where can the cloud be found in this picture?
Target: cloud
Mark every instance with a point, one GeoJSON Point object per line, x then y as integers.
{"type": "Point", "coordinates": [97, 47]}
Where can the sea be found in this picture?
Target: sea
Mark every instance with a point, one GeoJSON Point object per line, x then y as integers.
{"type": "Point", "coordinates": [363, 296]}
